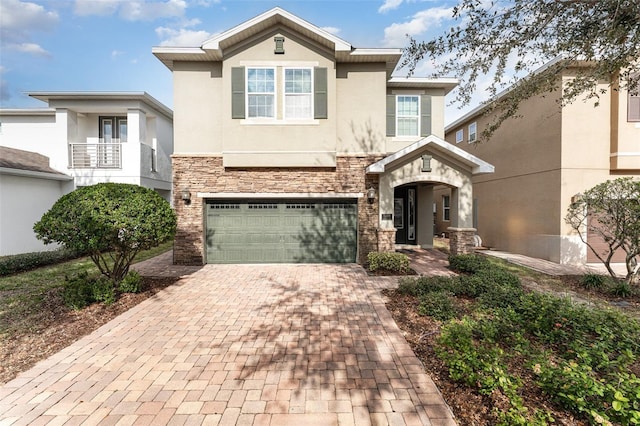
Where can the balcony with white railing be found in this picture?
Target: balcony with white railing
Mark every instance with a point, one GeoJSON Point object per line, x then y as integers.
{"type": "Point", "coordinates": [101, 155]}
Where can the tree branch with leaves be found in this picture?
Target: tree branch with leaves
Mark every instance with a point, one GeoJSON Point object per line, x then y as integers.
{"type": "Point", "coordinates": [511, 39]}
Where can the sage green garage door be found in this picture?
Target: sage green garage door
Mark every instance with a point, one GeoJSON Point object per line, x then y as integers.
{"type": "Point", "coordinates": [281, 231]}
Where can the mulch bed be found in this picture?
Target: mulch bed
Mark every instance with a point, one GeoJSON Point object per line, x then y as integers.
{"type": "Point", "coordinates": [56, 327]}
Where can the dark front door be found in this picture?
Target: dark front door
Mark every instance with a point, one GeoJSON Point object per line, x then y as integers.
{"type": "Point", "coordinates": [404, 214]}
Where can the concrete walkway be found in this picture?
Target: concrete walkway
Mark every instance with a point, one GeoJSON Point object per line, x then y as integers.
{"type": "Point", "coordinates": [236, 344]}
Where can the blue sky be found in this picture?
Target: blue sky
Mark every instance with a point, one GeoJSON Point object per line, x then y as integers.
{"type": "Point", "coordinates": [105, 45]}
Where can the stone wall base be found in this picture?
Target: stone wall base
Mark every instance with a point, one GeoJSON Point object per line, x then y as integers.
{"type": "Point", "coordinates": [386, 240]}
{"type": "Point", "coordinates": [461, 240]}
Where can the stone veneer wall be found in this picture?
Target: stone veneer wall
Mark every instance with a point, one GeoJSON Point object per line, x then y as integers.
{"type": "Point", "coordinates": [386, 239]}
{"type": "Point", "coordinates": [461, 240]}
{"type": "Point", "coordinates": [206, 174]}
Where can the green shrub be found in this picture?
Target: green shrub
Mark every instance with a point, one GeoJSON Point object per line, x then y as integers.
{"type": "Point", "coordinates": [622, 289]}
{"type": "Point", "coordinates": [132, 283]}
{"type": "Point", "coordinates": [77, 292]}
{"type": "Point", "coordinates": [468, 263]}
{"type": "Point", "coordinates": [103, 290]}
{"type": "Point", "coordinates": [592, 280]}
{"type": "Point", "coordinates": [16, 263]}
{"type": "Point", "coordinates": [388, 261]}
{"type": "Point", "coordinates": [424, 285]}
{"type": "Point", "coordinates": [500, 297]}
{"type": "Point", "coordinates": [496, 276]}
{"type": "Point", "coordinates": [438, 304]}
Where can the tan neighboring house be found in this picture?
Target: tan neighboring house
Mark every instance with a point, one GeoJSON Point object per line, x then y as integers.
{"type": "Point", "coordinates": [291, 145]}
{"type": "Point", "coordinates": [542, 160]}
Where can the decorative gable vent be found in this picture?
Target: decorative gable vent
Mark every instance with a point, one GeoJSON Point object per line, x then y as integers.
{"type": "Point", "coordinates": [279, 45]}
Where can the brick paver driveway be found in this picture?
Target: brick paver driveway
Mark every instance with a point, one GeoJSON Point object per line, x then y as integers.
{"type": "Point", "coordinates": [232, 344]}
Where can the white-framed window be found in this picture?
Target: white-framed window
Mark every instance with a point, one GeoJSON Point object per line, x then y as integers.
{"type": "Point", "coordinates": [459, 135]}
{"type": "Point", "coordinates": [261, 92]}
{"type": "Point", "coordinates": [298, 93]}
{"type": "Point", "coordinates": [473, 132]}
{"type": "Point", "coordinates": [407, 115]}
{"type": "Point", "coordinates": [446, 208]}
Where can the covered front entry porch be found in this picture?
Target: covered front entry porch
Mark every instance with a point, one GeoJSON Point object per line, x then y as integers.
{"type": "Point", "coordinates": [407, 180]}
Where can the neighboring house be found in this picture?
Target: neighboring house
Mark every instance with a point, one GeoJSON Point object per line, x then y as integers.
{"type": "Point", "coordinates": [543, 160]}
{"type": "Point", "coordinates": [28, 188]}
{"type": "Point", "coordinates": [291, 145]}
{"type": "Point", "coordinates": [85, 138]}
{"type": "Point", "coordinates": [124, 137]}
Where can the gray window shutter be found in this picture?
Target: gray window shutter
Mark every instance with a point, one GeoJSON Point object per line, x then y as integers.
{"type": "Point", "coordinates": [237, 92]}
{"type": "Point", "coordinates": [320, 93]}
{"type": "Point", "coordinates": [425, 115]}
{"type": "Point", "coordinates": [391, 115]}
{"type": "Point", "coordinates": [633, 100]}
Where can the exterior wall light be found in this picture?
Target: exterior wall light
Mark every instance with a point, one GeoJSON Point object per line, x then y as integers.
{"type": "Point", "coordinates": [371, 194]}
{"type": "Point", "coordinates": [186, 196]}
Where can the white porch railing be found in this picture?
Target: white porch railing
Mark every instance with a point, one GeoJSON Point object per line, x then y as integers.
{"type": "Point", "coordinates": [95, 155]}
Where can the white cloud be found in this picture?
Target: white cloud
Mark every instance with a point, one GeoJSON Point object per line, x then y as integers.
{"type": "Point", "coordinates": [133, 10]}
{"type": "Point", "coordinates": [396, 34]}
{"type": "Point", "coordinates": [181, 37]}
{"type": "Point", "coordinates": [31, 48]}
{"type": "Point", "coordinates": [18, 20]}
{"type": "Point", "coordinates": [116, 53]}
{"type": "Point", "coordinates": [389, 5]}
{"type": "Point", "coordinates": [332, 30]}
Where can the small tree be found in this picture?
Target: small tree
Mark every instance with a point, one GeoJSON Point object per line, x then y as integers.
{"type": "Point", "coordinates": [610, 210]}
{"type": "Point", "coordinates": [111, 222]}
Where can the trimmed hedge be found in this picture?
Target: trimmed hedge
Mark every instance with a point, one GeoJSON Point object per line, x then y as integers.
{"type": "Point", "coordinates": [16, 263]}
{"type": "Point", "coordinates": [388, 261]}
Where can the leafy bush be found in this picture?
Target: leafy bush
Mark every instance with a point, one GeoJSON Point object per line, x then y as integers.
{"type": "Point", "coordinates": [424, 285]}
{"type": "Point", "coordinates": [388, 261]}
{"type": "Point", "coordinates": [622, 289]}
{"type": "Point", "coordinates": [82, 290]}
{"type": "Point", "coordinates": [77, 292]}
{"type": "Point", "coordinates": [111, 222]}
{"type": "Point", "coordinates": [103, 290]}
{"type": "Point", "coordinates": [468, 263]}
{"type": "Point", "coordinates": [582, 357]}
{"type": "Point", "coordinates": [132, 283]}
{"type": "Point", "coordinates": [592, 280]}
{"type": "Point", "coordinates": [16, 263]}
{"type": "Point", "coordinates": [438, 304]}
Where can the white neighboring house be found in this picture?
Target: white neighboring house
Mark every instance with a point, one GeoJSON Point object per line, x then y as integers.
{"type": "Point", "coordinates": [28, 188]}
{"type": "Point", "coordinates": [93, 137]}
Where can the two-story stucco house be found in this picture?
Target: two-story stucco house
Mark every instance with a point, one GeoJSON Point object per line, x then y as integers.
{"type": "Point", "coordinates": [89, 137]}
{"type": "Point", "coordinates": [543, 159]}
{"type": "Point", "coordinates": [291, 145]}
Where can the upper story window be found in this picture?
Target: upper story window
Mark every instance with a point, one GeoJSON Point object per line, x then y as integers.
{"type": "Point", "coordinates": [298, 93]}
{"type": "Point", "coordinates": [261, 92]}
{"type": "Point", "coordinates": [408, 115]}
{"type": "Point", "coordinates": [274, 95]}
{"type": "Point", "coordinates": [633, 101]}
{"type": "Point", "coordinates": [459, 135]}
{"type": "Point", "coordinates": [473, 132]}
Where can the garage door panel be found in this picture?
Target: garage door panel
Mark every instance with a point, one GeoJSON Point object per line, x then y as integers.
{"type": "Point", "coordinates": [281, 231]}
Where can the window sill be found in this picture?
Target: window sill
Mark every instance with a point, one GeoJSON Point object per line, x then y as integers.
{"type": "Point", "coordinates": [276, 122]}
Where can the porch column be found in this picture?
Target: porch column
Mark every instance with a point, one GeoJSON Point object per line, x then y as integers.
{"type": "Point", "coordinates": [462, 232]}
{"type": "Point", "coordinates": [425, 216]}
{"type": "Point", "coordinates": [386, 230]}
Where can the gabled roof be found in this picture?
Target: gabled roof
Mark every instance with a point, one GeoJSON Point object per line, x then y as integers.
{"type": "Point", "coordinates": [430, 144]}
{"type": "Point", "coordinates": [19, 162]}
{"type": "Point", "coordinates": [267, 20]}
{"type": "Point", "coordinates": [213, 48]}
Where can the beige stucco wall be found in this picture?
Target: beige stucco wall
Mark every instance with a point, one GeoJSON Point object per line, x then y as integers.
{"type": "Point", "coordinates": [625, 135]}
{"type": "Point", "coordinates": [361, 108]}
{"type": "Point", "coordinates": [541, 160]}
{"type": "Point", "coordinates": [197, 117]}
{"type": "Point", "coordinates": [519, 204]}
